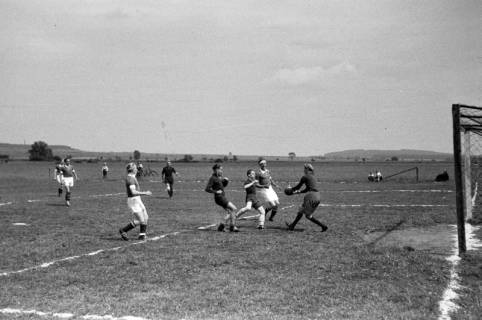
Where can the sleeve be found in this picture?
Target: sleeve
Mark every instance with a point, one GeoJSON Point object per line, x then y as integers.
{"type": "Point", "coordinates": [209, 186]}
{"type": "Point", "coordinates": [300, 184]}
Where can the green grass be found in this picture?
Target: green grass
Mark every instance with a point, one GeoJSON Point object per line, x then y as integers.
{"type": "Point", "coordinates": [195, 274]}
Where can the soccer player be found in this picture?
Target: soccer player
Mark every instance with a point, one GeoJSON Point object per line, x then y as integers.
{"type": "Point", "coordinates": [168, 179]}
{"type": "Point", "coordinates": [105, 170]}
{"type": "Point", "coordinates": [68, 173]}
{"type": "Point", "coordinates": [266, 192]}
{"type": "Point", "coordinates": [216, 185]}
{"type": "Point", "coordinates": [58, 176]}
{"type": "Point", "coordinates": [251, 199]}
{"type": "Point", "coordinates": [310, 201]}
{"type": "Point", "coordinates": [135, 204]}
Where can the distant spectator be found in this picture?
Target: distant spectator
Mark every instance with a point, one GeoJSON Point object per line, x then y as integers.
{"type": "Point", "coordinates": [378, 176]}
{"type": "Point", "coordinates": [371, 177]}
{"type": "Point", "coordinates": [105, 170]}
{"type": "Point", "coordinates": [444, 176]}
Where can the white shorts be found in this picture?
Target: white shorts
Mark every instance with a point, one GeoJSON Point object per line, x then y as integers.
{"type": "Point", "coordinates": [68, 181]}
{"type": "Point", "coordinates": [135, 204]}
{"type": "Point", "coordinates": [267, 195]}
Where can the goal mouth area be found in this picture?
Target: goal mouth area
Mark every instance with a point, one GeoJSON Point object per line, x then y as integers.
{"type": "Point", "coordinates": [467, 140]}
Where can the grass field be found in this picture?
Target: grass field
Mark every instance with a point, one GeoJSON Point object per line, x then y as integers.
{"type": "Point", "coordinates": [383, 257]}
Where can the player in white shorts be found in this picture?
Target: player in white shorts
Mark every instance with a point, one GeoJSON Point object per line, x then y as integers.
{"type": "Point", "coordinates": [68, 174]}
{"type": "Point", "coordinates": [266, 193]}
{"type": "Point", "coordinates": [135, 204]}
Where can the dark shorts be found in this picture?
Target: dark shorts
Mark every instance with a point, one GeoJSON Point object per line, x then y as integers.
{"type": "Point", "coordinates": [104, 172]}
{"type": "Point", "coordinates": [311, 201]}
{"type": "Point", "coordinates": [169, 181]}
{"type": "Point", "coordinates": [221, 201]}
{"type": "Point", "coordinates": [255, 203]}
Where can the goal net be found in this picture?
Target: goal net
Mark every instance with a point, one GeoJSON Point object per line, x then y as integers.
{"type": "Point", "coordinates": [467, 134]}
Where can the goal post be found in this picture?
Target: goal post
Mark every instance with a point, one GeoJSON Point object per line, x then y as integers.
{"type": "Point", "coordinates": [467, 140]}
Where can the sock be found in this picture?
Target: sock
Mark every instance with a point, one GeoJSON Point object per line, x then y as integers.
{"type": "Point", "coordinates": [323, 226]}
{"type": "Point", "coordinates": [67, 196]}
{"type": "Point", "coordinates": [293, 224]}
{"type": "Point", "coordinates": [60, 191]}
{"type": "Point", "coordinates": [128, 227]}
{"type": "Point", "coordinates": [267, 210]}
{"type": "Point", "coordinates": [274, 210]}
{"type": "Point", "coordinates": [143, 229]}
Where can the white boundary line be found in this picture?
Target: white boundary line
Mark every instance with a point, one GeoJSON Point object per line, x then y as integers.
{"type": "Point", "coordinates": [448, 303]}
{"type": "Point", "coordinates": [201, 190]}
{"type": "Point", "coordinates": [51, 315]}
{"type": "Point", "coordinates": [93, 253]}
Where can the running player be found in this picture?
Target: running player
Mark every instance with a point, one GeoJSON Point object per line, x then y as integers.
{"type": "Point", "coordinates": [251, 200]}
{"type": "Point", "coordinates": [168, 179]}
{"type": "Point", "coordinates": [310, 201]}
{"type": "Point", "coordinates": [216, 185]}
{"type": "Point", "coordinates": [135, 204]}
{"type": "Point", "coordinates": [68, 174]}
{"type": "Point", "coordinates": [266, 193]}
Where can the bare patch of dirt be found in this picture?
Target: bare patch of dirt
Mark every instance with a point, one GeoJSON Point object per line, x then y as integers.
{"type": "Point", "coordinates": [438, 240]}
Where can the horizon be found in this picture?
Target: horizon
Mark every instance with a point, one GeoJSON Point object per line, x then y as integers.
{"type": "Point", "coordinates": [250, 77]}
{"type": "Point", "coordinates": [26, 145]}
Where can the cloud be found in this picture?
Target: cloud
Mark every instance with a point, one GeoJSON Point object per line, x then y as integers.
{"type": "Point", "coordinates": [299, 76]}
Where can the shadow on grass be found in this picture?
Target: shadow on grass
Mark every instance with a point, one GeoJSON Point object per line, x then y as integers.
{"type": "Point", "coordinates": [56, 205]}
{"type": "Point", "coordinates": [387, 232]}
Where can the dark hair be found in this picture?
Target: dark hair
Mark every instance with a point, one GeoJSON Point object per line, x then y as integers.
{"type": "Point", "coordinates": [216, 166]}
{"type": "Point", "coordinates": [249, 171]}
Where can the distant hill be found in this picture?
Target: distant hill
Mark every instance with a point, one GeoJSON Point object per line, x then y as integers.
{"type": "Point", "coordinates": [382, 155]}
{"type": "Point", "coordinates": [20, 152]}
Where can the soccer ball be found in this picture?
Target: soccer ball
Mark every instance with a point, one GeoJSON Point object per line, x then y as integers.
{"type": "Point", "coordinates": [225, 182]}
{"type": "Point", "coordinates": [289, 191]}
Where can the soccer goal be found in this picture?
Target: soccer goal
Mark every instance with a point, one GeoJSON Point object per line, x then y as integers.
{"type": "Point", "coordinates": [467, 136]}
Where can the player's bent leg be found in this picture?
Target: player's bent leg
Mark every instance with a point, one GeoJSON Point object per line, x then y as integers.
{"type": "Point", "coordinates": [123, 231]}
{"type": "Point", "coordinates": [244, 209]}
{"type": "Point", "coordinates": [324, 227]}
{"type": "Point", "coordinates": [299, 215]}
{"type": "Point", "coordinates": [274, 211]}
{"type": "Point", "coordinates": [261, 217]}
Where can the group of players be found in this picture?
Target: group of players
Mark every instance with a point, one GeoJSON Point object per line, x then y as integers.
{"type": "Point", "coordinates": [260, 195]}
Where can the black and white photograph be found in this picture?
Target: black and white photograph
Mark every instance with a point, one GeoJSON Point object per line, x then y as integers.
{"type": "Point", "coordinates": [240, 159]}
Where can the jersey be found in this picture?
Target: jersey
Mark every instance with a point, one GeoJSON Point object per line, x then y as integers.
{"type": "Point", "coordinates": [131, 180]}
{"type": "Point", "coordinates": [309, 181]}
{"type": "Point", "coordinates": [264, 177]}
{"type": "Point", "coordinates": [167, 173]}
{"type": "Point", "coordinates": [215, 183]}
{"type": "Point", "coordinates": [67, 171]}
{"type": "Point", "coordinates": [250, 191]}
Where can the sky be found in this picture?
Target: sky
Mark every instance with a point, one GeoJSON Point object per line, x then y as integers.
{"type": "Point", "coordinates": [246, 77]}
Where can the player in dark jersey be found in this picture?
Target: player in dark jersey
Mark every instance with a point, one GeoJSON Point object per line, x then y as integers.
{"type": "Point", "coordinates": [251, 200]}
{"type": "Point", "coordinates": [216, 185]}
{"type": "Point", "coordinates": [310, 201]}
{"type": "Point", "coordinates": [135, 204]}
{"type": "Point", "coordinates": [167, 177]}
{"type": "Point", "coordinates": [68, 174]}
